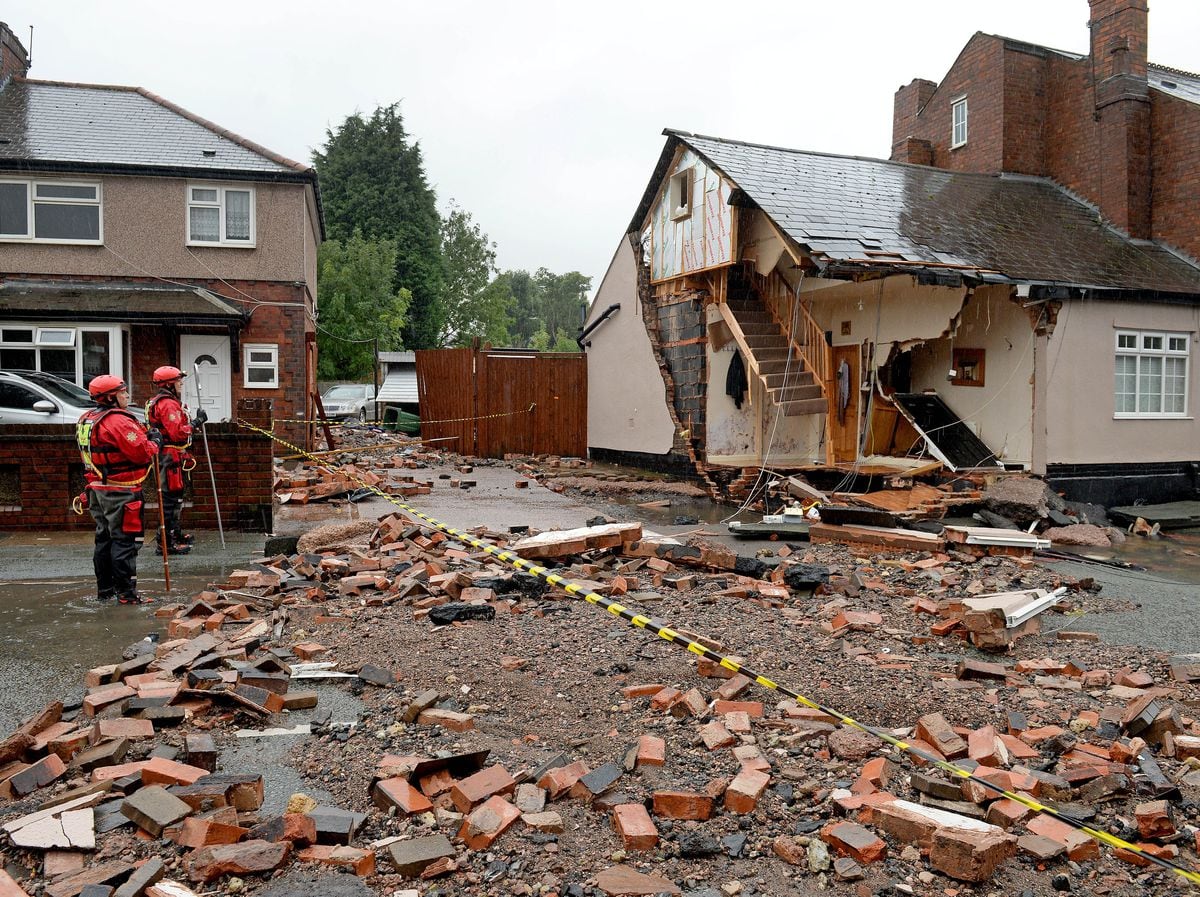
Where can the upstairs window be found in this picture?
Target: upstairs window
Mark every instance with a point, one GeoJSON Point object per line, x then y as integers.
{"type": "Point", "coordinates": [220, 216]}
{"type": "Point", "coordinates": [958, 131]}
{"type": "Point", "coordinates": [681, 194]}
{"type": "Point", "coordinates": [1151, 374]}
{"type": "Point", "coordinates": [50, 211]}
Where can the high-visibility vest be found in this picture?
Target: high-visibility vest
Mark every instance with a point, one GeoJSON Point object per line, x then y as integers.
{"type": "Point", "coordinates": [104, 459]}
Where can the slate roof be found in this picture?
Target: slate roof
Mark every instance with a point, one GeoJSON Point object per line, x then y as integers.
{"type": "Point", "coordinates": [92, 126]}
{"type": "Point", "coordinates": [1177, 83]}
{"type": "Point", "coordinates": [847, 210]}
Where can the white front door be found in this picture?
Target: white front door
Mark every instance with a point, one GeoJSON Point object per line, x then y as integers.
{"type": "Point", "coordinates": [205, 359]}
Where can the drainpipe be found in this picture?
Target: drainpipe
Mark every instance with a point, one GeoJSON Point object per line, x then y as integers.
{"type": "Point", "coordinates": [604, 316]}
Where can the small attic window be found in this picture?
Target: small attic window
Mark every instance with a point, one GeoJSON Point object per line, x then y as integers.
{"type": "Point", "coordinates": [958, 128]}
{"type": "Point", "coordinates": [681, 194]}
{"type": "Point", "coordinates": [1170, 85]}
{"type": "Point", "coordinates": [209, 153]}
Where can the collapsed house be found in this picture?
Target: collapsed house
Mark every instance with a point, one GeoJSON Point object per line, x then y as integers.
{"type": "Point", "coordinates": [1015, 289]}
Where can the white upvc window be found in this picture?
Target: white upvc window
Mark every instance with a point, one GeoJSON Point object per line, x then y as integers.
{"type": "Point", "coordinates": [75, 353]}
{"type": "Point", "coordinates": [1151, 374]}
{"type": "Point", "coordinates": [219, 215]}
{"type": "Point", "coordinates": [958, 128]}
{"type": "Point", "coordinates": [260, 366]}
{"type": "Point", "coordinates": [51, 211]}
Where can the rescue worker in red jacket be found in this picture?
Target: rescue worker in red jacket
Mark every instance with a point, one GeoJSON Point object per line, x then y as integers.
{"type": "Point", "coordinates": [117, 453]}
{"type": "Point", "coordinates": [165, 412]}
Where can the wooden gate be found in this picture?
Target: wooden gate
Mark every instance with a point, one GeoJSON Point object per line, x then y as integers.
{"type": "Point", "coordinates": [484, 395]}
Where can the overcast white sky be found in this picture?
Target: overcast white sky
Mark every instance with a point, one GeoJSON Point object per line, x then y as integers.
{"type": "Point", "coordinates": [544, 119]}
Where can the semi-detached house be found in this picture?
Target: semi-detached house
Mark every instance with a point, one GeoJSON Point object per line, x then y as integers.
{"type": "Point", "coordinates": [134, 233]}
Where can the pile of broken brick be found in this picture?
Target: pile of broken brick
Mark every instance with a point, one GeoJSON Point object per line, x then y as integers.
{"type": "Point", "coordinates": [139, 753]}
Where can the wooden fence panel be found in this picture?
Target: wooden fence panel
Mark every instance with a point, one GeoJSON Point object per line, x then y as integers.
{"type": "Point", "coordinates": [457, 383]}
{"type": "Point", "coordinates": [555, 383]}
{"type": "Point", "coordinates": [446, 392]}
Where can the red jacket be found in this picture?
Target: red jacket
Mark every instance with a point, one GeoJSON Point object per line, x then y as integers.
{"type": "Point", "coordinates": [165, 411]}
{"type": "Point", "coordinates": [116, 453]}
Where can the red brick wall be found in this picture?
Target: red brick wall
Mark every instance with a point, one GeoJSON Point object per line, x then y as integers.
{"type": "Point", "coordinates": [1036, 112]}
{"type": "Point", "coordinates": [51, 471]}
{"type": "Point", "coordinates": [1175, 125]}
{"type": "Point", "coordinates": [978, 72]}
{"type": "Point", "coordinates": [907, 105]}
{"type": "Point", "coordinates": [13, 58]}
{"type": "Point", "coordinates": [1024, 113]}
{"type": "Point", "coordinates": [1072, 133]}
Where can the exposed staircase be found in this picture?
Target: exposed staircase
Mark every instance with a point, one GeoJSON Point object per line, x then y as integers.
{"type": "Point", "coordinates": [792, 385]}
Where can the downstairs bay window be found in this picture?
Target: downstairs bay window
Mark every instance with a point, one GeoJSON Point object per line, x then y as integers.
{"type": "Point", "coordinates": [1151, 374]}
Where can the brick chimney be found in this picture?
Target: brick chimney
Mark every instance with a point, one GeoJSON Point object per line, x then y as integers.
{"type": "Point", "coordinates": [909, 101]}
{"type": "Point", "coordinates": [1122, 99]}
{"type": "Point", "coordinates": [14, 60]}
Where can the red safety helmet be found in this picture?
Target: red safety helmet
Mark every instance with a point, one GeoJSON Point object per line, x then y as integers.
{"type": "Point", "coordinates": [105, 385]}
{"type": "Point", "coordinates": [166, 374]}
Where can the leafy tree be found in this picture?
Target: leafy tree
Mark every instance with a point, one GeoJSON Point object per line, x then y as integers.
{"type": "Point", "coordinates": [357, 303]}
{"type": "Point", "coordinates": [540, 340]}
{"type": "Point", "coordinates": [566, 343]}
{"type": "Point", "coordinates": [526, 306]}
{"type": "Point", "coordinates": [373, 180]}
{"type": "Point", "coordinates": [562, 302]}
{"type": "Point", "coordinates": [474, 306]}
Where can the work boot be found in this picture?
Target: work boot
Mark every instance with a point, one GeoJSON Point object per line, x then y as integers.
{"type": "Point", "coordinates": [182, 538]}
{"type": "Point", "coordinates": [173, 548]}
{"type": "Point", "coordinates": [135, 598]}
{"type": "Point", "coordinates": [108, 595]}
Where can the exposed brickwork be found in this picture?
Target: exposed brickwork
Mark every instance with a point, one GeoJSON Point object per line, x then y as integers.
{"type": "Point", "coordinates": [14, 60]}
{"type": "Point", "coordinates": [1092, 124]}
{"type": "Point", "coordinates": [683, 450]}
{"type": "Point", "coordinates": [909, 101]}
{"type": "Point", "coordinates": [50, 475]}
{"type": "Point", "coordinates": [1176, 193]}
{"type": "Point", "coordinates": [978, 72]}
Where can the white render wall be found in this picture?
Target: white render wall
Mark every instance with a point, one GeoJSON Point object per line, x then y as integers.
{"type": "Point", "coordinates": [1080, 368]}
{"type": "Point", "coordinates": [627, 400]}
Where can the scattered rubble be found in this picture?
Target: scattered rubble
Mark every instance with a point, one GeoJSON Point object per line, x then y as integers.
{"type": "Point", "coordinates": [517, 741]}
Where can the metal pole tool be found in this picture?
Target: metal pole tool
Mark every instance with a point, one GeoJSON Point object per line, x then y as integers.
{"type": "Point", "coordinates": [163, 540]}
{"type": "Point", "coordinates": [212, 475]}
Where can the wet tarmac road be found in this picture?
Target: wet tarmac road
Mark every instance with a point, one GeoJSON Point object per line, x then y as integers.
{"type": "Point", "coordinates": [52, 630]}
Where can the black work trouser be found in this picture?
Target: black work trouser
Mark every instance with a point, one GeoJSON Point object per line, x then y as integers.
{"type": "Point", "coordinates": [119, 531]}
{"type": "Point", "coordinates": [174, 484]}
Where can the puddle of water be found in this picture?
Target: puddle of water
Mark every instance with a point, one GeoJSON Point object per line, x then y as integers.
{"type": "Point", "coordinates": [1174, 555]}
{"type": "Point", "coordinates": [52, 629]}
{"type": "Point", "coordinates": [702, 509]}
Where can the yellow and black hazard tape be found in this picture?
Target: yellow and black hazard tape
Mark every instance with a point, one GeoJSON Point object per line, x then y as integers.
{"type": "Point", "coordinates": [665, 632]}
{"type": "Point", "coordinates": [353, 422]}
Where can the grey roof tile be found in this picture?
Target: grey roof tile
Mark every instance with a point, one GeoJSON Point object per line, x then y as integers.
{"type": "Point", "coordinates": [1025, 228]}
{"type": "Point", "coordinates": [55, 122]}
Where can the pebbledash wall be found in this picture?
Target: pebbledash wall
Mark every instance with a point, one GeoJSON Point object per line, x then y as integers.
{"type": "Point", "coordinates": [41, 473]}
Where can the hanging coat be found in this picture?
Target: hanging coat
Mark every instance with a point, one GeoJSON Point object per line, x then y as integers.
{"type": "Point", "coordinates": [843, 390]}
{"type": "Point", "coordinates": [735, 379]}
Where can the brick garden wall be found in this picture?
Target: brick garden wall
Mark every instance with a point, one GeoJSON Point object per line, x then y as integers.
{"type": "Point", "coordinates": [41, 472]}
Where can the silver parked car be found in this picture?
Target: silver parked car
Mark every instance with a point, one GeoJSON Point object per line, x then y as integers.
{"type": "Point", "coordinates": [34, 397]}
{"type": "Point", "coordinates": [350, 401]}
